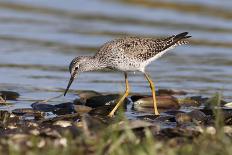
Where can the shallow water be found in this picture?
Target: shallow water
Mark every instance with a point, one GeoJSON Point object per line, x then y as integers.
{"type": "Point", "coordinates": [38, 39]}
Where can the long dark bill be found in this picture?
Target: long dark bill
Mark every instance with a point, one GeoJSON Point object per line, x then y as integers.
{"type": "Point", "coordinates": [69, 84]}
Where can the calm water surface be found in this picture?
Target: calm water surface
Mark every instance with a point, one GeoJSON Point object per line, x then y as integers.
{"type": "Point", "coordinates": [38, 39]}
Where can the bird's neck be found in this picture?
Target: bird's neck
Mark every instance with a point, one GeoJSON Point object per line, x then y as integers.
{"type": "Point", "coordinates": [92, 63]}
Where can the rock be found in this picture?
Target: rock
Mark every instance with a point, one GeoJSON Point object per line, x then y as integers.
{"type": "Point", "coordinates": [198, 116]}
{"type": "Point", "coordinates": [86, 94]}
{"type": "Point", "coordinates": [49, 132]}
{"type": "Point", "coordinates": [102, 100]}
{"type": "Point", "coordinates": [2, 101]}
{"type": "Point", "coordinates": [228, 130]}
{"type": "Point", "coordinates": [67, 117]}
{"type": "Point", "coordinates": [4, 115]}
{"type": "Point", "coordinates": [9, 95]}
{"type": "Point", "coordinates": [179, 132]}
{"type": "Point", "coordinates": [101, 111]}
{"type": "Point", "coordinates": [64, 108]}
{"type": "Point", "coordinates": [43, 107]}
{"type": "Point", "coordinates": [229, 105]}
{"type": "Point", "coordinates": [187, 102]}
{"type": "Point", "coordinates": [92, 125]}
{"type": "Point", "coordinates": [199, 99]}
{"type": "Point", "coordinates": [135, 98]}
{"type": "Point", "coordinates": [163, 102]}
{"type": "Point", "coordinates": [193, 116]}
{"type": "Point", "coordinates": [63, 123]}
{"type": "Point", "coordinates": [148, 117]}
{"type": "Point", "coordinates": [82, 109]}
{"type": "Point", "coordinates": [183, 118]}
{"type": "Point", "coordinates": [132, 124]}
{"type": "Point", "coordinates": [170, 92]}
{"type": "Point", "coordinates": [28, 112]}
{"type": "Point", "coordinates": [210, 130]}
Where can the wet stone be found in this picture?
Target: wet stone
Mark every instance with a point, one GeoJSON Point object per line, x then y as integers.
{"type": "Point", "coordinates": [132, 124]}
{"type": "Point", "coordinates": [193, 116]}
{"type": "Point", "coordinates": [179, 132]}
{"type": "Point", "coordinates": [64, 108]}
{"type": "Point", "coordinates": [149, 117]}
{"type": "Point", "coordinates": [165, 118]}
{"type": "Point", "coordinates": [2, 101]}
{"type": "Point", "coordinates": [68, 117]}
{"type": "Point", "coordinates": [82, 109]}
{"type": "Point", "coordinates": [170, 92]}
{"type": "Point", "coordinates": [229, 105]}
{"type": "Point", "coordinates": [199, 99]}
{"type": "Point", "coordinates": [102, 100]}
{"type": "Point", "coordinates": [188, 102]}
{"type": "Point", "coordinates": [91, 124]}
{"type": "Point", "coordinates": [49, 132]}
{"type": "Point", "coordinates": [4, 118]}
{"type": "Point", "coordinates": [28, 112]}
{"type": "Point", "coordinates": [84, 95]}
{"type": "Point", "coordinates": [101, 111]}
{"type": "Point", "coordinates": [135, 98]}
{"type": "Point", "coordinates": [63, 123]}
{"type": "Point", "coordinates": [173, 112]}
{"type": "Point", "coordinates": [43, 107]}
{"type": "Point", "coordinates": [183, 118]}
{"type": "Point", "coordinates": [198, 116]}
{"type": "Point", "coordinates": [163, 102]}
{"type": "Point", "coordinates": [9, 95]}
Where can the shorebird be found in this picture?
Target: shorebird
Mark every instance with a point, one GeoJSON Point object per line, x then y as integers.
{"type": "Point", "coordinates": [127, 54]}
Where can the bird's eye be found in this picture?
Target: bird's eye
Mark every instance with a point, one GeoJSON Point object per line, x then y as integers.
{"type": "Point", "coordinates": [76, 68]}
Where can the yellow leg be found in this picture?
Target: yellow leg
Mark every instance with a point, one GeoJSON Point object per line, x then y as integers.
{"type": "Point", "coordinates": [152, 86]}
{"type": "Point", "coordinates": [122, 98]}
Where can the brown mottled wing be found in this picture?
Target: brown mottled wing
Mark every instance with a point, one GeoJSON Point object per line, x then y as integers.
{"type": "Point", "coordinates": [146, 48]}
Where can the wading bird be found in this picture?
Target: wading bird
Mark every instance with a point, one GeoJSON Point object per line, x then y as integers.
{"type": "Point", "coordinates": [127, 54]}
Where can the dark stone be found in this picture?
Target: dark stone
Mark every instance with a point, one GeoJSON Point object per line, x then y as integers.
{"type": "Point", "coordinates": [198, 115]}
{"type": "Point", "coordinates": [109, 100]}
{"type": "Point", "coordinates": [9, 95]}
{"type": "Point", "coordinates": [43, 107]}
{"type": "Point", "coordinates": [135, 98]}
{"type": "Point", "coordinates": [101, 111]}
{"type": "Point", "coordinates": [64, 108]}
{"type": "Point", "coordinates": [170, 92]}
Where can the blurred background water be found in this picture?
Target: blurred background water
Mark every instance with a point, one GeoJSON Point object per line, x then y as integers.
{"type": "Point", "coordinates": [38, 39]}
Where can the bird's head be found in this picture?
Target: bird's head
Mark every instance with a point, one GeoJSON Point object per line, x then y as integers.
{"type": "Point", "coordinates": [76, 66]}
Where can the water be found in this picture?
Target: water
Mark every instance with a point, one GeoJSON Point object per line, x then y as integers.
{"type": "Point", "coordinates": [38, 39]}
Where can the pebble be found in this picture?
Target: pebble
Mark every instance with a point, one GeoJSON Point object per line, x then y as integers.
{"type": "Point", "coordinates": [63, 123]}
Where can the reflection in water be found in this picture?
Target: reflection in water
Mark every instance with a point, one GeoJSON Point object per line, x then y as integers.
{"type": "Point", "coordinates": [38, 39]}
